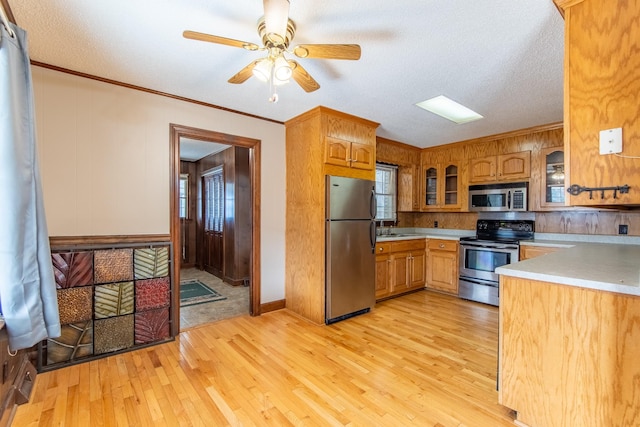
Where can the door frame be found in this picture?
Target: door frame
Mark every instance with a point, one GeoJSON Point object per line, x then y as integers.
{"type": "Point", "coordinates": [177, 131]}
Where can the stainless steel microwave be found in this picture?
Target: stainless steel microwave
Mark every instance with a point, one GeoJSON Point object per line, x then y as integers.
{"type": "Point", "coordinates": [498, 197]}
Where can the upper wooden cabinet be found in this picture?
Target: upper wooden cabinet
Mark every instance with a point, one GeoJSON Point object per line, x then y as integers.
{"type": "Point", "coordinates": [602, 88]}
{"type": "Point", "coordinates": [441, 186]}
{"type": "Point", "coordinates": [408, 189]}
{"type": "Point", "coordinates": [349, 154]}
{"type": "Point", "coordinates": [552, 178]}
{"type": "Point", "coordinates": [504, 167]}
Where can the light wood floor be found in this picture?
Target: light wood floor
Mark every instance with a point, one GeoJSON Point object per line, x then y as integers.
{"type": "Point", "coordinates": [423, 359]}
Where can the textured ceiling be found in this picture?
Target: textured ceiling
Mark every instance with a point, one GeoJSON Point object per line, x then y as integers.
{"type": "Point", "coordinates": [502, 58]}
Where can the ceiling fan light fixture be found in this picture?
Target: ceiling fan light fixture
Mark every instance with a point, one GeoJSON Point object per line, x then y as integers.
{"type": "Point", "coordinates": [281, 70]}
{"type": "Point", "coordinates": [262, 70]}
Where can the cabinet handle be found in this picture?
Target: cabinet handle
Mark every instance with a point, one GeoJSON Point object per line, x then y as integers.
{"type": "Point", "coordinates": [441, 245]}
{"type": "Point", "coordinates": [380, 249]}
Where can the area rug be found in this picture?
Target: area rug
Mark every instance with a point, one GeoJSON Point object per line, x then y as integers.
{"type": "Point", "coordinates": [194, 292]}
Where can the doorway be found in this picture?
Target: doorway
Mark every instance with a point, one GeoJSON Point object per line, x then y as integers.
{"type": "Point", "coordinates": [178, 132]}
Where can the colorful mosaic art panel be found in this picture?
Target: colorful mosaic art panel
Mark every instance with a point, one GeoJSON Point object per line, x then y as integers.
{"type": "Point", "coordinates": [112, 334]}
{"type": "Point", "coordinates": [151, 262]}
{"type": "Point", "coordinates": [109, 300]}
{"type": "Point", "coordinates": [113, 265]}
{"type": "Point", "coordinates": [152, 293]}
{"type": "Point", "coordinates": [75, 342]}
{"type": "Point", "coordinates": [152, 326]}
{"type": "Point", "coordinates": [114, 299]}
{"type": "Point", "coordinates": [75, 304]}
{"type": "Point", "coordinates": [72, 269]}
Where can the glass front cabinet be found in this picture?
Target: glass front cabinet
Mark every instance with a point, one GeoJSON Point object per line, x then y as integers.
{"type": "Point", "coordinates": [441, 187]}
{"type": "Point", "coordinates": [553, 186]}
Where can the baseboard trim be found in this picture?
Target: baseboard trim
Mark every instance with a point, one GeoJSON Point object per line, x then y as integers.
{"type": "Point", "coordinates": [272, 306]}
{"type": "Point", "coordinates": [235, 282]}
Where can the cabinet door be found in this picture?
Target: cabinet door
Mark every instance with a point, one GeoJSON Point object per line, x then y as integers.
{"type": "Point", "coordinates": [430, 176]}
{"type": "Point", "coordinates": [552, 190]}
{"type": "Point", "coordinates": [337, 151]}
{"type": "Point", "coordinates": [362, 156]}
{"type": "Point", "coordinates": [383, 276]}
{"type": "Point", "coordinates": [450, 186]}
{"type": "Point", "coordinates": [482, 169]}
{"type": "Point", "coordinates": [514, 165]}
{"type": "Point", "coordinates": [399, 268]}
{"type": "Point", "coordinates": [443, 271]}
{"type": "Point", "coordinates": [418, 269]}
{"type": "Point", "coordinates": [407, 193]}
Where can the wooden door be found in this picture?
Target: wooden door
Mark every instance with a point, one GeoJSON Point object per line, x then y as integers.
{"type": "Point", "coordinates": [213, 206]}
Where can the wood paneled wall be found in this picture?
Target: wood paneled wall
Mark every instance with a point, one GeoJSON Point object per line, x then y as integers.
{"type": "Point", "coordinates": [188, 226]}
{"type": "Point", "coordinates": [237, 225]}
{"type": "Point", "coordinates": [602, 87]}
{"type": "Point", "coordinates": [571, 220]}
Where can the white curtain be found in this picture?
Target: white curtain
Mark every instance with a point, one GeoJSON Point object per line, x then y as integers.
{"type": "Point", "coordinates": [27, 288]}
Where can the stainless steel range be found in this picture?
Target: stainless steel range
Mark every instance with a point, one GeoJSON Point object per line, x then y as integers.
{"type": "Point", "coordinates": [496, 244]}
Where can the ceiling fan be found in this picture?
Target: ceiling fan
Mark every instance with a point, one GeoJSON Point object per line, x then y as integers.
{"type": "Point", "coordinates": [277, 31]}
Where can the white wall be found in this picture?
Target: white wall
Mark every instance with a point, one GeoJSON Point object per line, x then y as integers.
{"type": "Point", "coordinates": [104, 158]}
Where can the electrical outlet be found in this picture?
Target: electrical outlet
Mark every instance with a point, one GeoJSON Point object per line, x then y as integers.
{"type": "Point", "coordinates": [611, 141]}
{"type": "Point", "coordinates": [435, 224]}
{"type": "Point", "coordinates": [623, 229]}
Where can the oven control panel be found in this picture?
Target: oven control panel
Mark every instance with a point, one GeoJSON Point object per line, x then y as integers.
{"type": "Point", "coordinates": [490, 229]}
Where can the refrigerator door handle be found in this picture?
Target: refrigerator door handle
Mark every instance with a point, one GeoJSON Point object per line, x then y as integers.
{"type": "Point", "coordinates": [372, 236]}
{"type": "Point", "coordinates": [373, 204]}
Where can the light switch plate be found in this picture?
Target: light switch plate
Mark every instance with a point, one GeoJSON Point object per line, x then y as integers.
{"type": "Point", "coordinates": [611, 141]}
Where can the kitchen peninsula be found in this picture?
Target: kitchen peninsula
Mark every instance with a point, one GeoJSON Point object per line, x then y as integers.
{"type": "Point", "coordinates": [570, 337]}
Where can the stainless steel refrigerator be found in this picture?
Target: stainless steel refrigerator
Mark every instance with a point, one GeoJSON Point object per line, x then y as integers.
{"type": "Point", "coordinates": [351, 243]}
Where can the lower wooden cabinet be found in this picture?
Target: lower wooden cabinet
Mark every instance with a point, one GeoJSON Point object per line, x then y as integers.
{"type": "Point", "coordinates": [400, 267]}
{"type": "Point", "coordinates": [442, 273]}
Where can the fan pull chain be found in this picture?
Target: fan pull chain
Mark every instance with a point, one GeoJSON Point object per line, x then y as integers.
{"type": "Point", "coordinates": [272, 88]}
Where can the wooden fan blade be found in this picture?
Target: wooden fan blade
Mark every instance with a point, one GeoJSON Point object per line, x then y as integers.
{"type": "Point", "coordinates": [220, 40]}
{"type": "Point", "coordinates": [244, 74]}
{"type": "Point", "coordinates": [328, 51]}
{"type": "Point", "coordinates": [303, 78]}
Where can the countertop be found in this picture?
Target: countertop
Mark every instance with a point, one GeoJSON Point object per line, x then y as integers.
{"type": "Point", "coordinates": [424, 233]}
{"type": "Point", "coordinates": [610, 267]}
